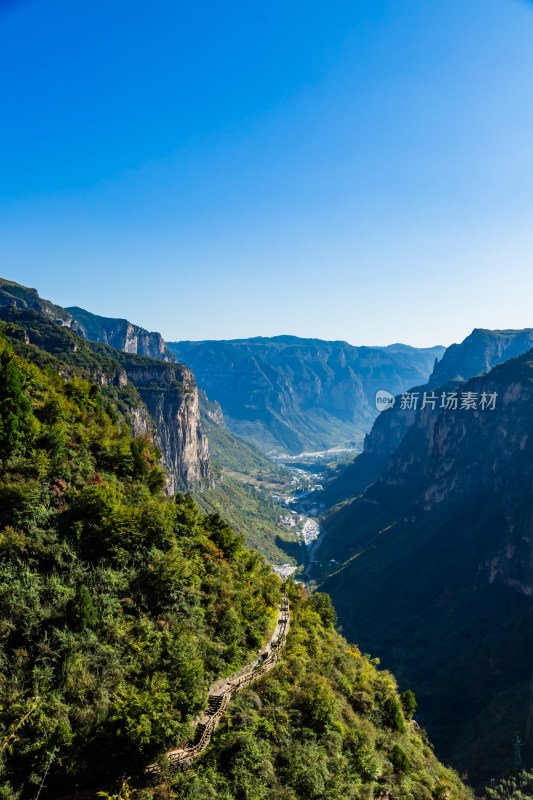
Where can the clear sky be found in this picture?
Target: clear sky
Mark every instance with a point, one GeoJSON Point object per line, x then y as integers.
{"type": "Point", "coordinates": [358, 170]}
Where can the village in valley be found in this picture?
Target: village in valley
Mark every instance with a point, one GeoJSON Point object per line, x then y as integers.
{"type": "Point", "coordinates": [301, 507]}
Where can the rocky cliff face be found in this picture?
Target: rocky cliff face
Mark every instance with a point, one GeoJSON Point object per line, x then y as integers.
{"type": "Point", "coordinates": [169, 391]}
{"type": "Point", "coordinates": [437, 561]}
{"type": "Point", "coordinates": [158, 398]}
{"type": "Point", "coordinates": [477, 354]}
{"type": "Point", "coordinates": [121, 334]}
{"type": "Point", "coordinates": [210, 409]}
{"type": "Point", "coordinates": [451, 455]}
{"type": "Point", "coordinates": [14, 295]}
{"type": "Point", "coordinates": [290, 394]}
{"type": "Point", "coordinates": [471, 453]}
{"type": "Point", "coordinates": [171, 397]}
{"type": "Point", "coordinates": [141, 422]}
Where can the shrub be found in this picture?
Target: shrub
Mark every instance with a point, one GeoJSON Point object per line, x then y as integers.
{"type": "Point", "coordinates": [409, 703]}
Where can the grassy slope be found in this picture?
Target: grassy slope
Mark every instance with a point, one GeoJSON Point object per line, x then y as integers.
{"type": "Point", "coordinates": [250, 511]}
{"type": "Point", "coordinates": [254, 515]}
{"type": "Point", "coordinates": [236, 455]}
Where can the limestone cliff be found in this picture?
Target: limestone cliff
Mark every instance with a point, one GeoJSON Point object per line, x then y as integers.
{"type": "Point", "coordinates": [157, 398]}
{"type": "Point", "coordinates": [169, 391]}
{"type": "Point", "coordinates": [171, 396]}
{"type": "Point", "coordinates": [477, 354]}
{"type": "Point", "coordinates": [121, 334]}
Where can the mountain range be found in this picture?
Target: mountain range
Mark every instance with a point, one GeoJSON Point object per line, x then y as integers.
{"type": "Point", "coordinates": [287, 394]}
{"type": "Point", "coordinates": [427, 545]}
{"type": "Point", "coordinates": [431, 562]}
{"type": "Point", "coordinates": [282, 394]}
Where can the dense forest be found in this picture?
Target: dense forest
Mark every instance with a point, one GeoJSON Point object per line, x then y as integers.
{"type": "Point", "coordinates": [118, 605]}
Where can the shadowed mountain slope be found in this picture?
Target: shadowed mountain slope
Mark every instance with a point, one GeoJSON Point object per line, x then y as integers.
{"type": "Point", "coordinates": [436, 574]}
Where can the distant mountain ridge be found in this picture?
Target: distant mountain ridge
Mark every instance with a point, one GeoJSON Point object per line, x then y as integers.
{"type": "Point", "coordinates": [118, 333]}
{"type": "Point", "coordinates": [283, 394]}
{"type": "Point", "coordinates": [479, 352]}
{"type": "Point", "coordinates": [482, 350]}
{"type": "Point", "coordinates": [121, 334]}
{"type": "Point", "coordinates": [288, 394]}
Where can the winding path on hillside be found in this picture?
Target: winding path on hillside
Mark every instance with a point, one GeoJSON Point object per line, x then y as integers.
{"type": "Point", "coordinates": [221, 692]}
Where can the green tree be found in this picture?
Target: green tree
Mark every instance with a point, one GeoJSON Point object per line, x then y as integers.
{"type": "Point", "coordinates": [392, 715]}
{"type": "Point", "coordinates": [15, 408]}
{"type": "Point", "coordinates": [409, 703]}
{"type": "Point", "coordinates": [399, 760]}
{"type": "Point", "coordinates": [519, 787]}
{"type": "Point", "coordinates": [324, 607]}
{"type": "Point", "coordinates": [81, 611]}
{"type": "Point", "coordinates": [224, 537]}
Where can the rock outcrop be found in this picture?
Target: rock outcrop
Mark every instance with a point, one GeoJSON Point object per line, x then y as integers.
{"type": "Point", "coordinates": [171, 397]}
{"type": "Point", "coordinates": [163, 402]}
{"type": "Point", "coordinates": [121, 334]}
{"type": "Point", "coordinates": [211, 410]}
{"type": "Point", "coordinates": [477, 354]}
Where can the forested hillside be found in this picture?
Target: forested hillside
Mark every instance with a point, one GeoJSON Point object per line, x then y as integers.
{"type": "Point", "coordinates": [119, 605]}
{"type": "Point", "coordinates": [324, 724]}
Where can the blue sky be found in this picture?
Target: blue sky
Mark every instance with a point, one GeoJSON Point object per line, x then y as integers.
{"type": "Point", "coordinates": [349, 170]}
